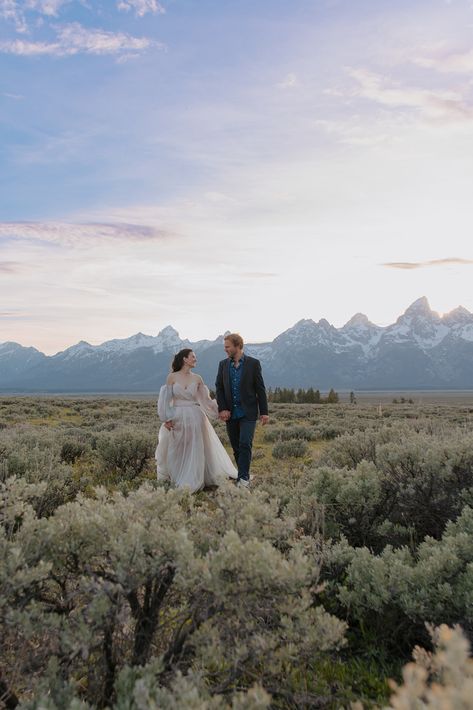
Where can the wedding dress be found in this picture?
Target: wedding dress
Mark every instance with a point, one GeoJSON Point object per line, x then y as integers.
{"type": "Point", "coordinates": [190, 454]}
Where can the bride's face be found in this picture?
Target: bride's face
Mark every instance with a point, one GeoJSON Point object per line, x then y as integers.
{"type": "Point", "coordinates": [190, 360]}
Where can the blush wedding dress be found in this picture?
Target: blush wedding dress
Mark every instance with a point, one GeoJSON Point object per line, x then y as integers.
{"type": "Point", "coordinates": [190, 455]}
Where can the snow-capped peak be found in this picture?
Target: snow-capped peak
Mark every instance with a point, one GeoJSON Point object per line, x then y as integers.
{"type": "Point", "coordinates": [357, 322]}
{"type": "Point", "coordinates": [77, 350]}
{"type": "Point", "coordinates": [139, 340]}
{"type": "Point", "coordinates": [419, 309]}
{"type": "Point", "coordinates": [305, 333]}
{"type": "Point", "coordinates": [323, 323]}
{"type": "Point", "coordinates": [169, 334]}
{"type": "Point", "coordinates": [459, 316]}
{"type": "Point", "coordinates": [9, 347]}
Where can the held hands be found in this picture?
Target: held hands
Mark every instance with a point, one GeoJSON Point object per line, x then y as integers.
{"type": "Point", "coordinates": [168, 425]}
{"type": "Point", "coordinates": [225, 415]}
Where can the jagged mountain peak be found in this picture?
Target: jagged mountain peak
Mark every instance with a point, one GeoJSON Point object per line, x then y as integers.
{"type": "Point", "coordinates": [303, 323]}
{"type": "Point", "coordinates": [302, 326]}
{"type": "Point", "coordinates": [419, 350]}
{"type": "Point", "coordinates": [459, 315]}
{"type": "Point", "coordinates": [75, 351]}
{"type": "Point", "coordinates": [168, 331]}
{"type": "Point", "coordinates": [359, 320]}
{"type": "Point", "coordinates": [420, 307]}
{"type": "Point", "coordinates": [300, 329]}
{"type": "Point", "coordinates": [133, 342]}
{"type": "Point", "coordinates": [11, 346]}
{"type": "Point", "coordinates": [418, 318]}
{"type": "Point", "coordinates": [306, 333]}
{"type": "Point", "coordinates": [81, 345]}
{"type": "Point", "coordinates": [323, 323]}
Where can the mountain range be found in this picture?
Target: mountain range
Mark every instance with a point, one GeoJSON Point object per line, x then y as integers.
{"type": "Point", "coordinates": [421, 350]}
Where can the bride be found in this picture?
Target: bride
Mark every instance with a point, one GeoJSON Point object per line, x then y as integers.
{"type": "Point", "coordinates": [189, 452]}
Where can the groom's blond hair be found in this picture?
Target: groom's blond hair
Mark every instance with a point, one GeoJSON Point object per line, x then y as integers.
{"type": "Point", "coordinates": [235, 339]}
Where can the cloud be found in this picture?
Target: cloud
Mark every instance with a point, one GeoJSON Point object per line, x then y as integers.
{"type": "Point", "coordinates": [455, 63]}
{"type": "Point", "coordinates": [75, 39]}
{"type": "Point", "coordinates": [10, 10]}
{"type": "Point", "coordinates": [82, 235]}
{"type": "Point", "coordinates": [141, 7]}
{"type": "Point", "coordinates": [46, 7]}
{"type": "Point", "coordinates": [15, 11]}
{"type": "Point", "coordinates": [289, 82]}
{"type": "Point", "coordinates": [16, 97]}
{"type": "Point", "coordinates": [9, 267]}
{"type": "Point", "coordinates": [421, 264]}
{"type": "Point", "coordinates": [433, 104]}
{"type": "Point", "coordinates": [259, 274]}
{"type": "Point", "coordinates": [13, 315]}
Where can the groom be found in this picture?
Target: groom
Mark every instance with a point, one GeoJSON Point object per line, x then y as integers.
{"type": "Point", "coordinates": [240, 394]}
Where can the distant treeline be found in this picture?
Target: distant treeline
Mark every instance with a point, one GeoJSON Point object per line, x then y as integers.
{"type": "Point", "coordinates": [284, 395]}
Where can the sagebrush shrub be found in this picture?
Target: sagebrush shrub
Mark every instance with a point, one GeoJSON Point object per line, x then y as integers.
{"type": "Point", "coordinates": [439, 679]}
{"type": "Point", "coordinates": [125, 452]}
{"type": "Point", "coordinates": [113, 581]}
{"type": "Point", "coordinates": [155, 598]}
{"type": "Point", "coordinates": [393, 593]}
{"type": "Point", "coordinates": [72, 450]}
{"type": "Point", "coordinates": [294, 448]}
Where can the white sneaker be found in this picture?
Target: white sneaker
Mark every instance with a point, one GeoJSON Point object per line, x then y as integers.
{"type": "Point", "coordinates": [243, 483]}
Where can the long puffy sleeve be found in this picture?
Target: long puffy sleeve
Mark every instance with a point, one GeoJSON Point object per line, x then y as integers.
{"type": "Point", "coordinates": [166, 411]}
{"type": "Point", "coordinates": [208, 405]}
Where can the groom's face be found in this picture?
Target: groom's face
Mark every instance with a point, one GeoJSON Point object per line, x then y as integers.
{"type": "Point", "coordinates": [229, 348]}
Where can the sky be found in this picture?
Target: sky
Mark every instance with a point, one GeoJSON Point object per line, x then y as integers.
{"type": "Point", "coordinates": [231, 165]}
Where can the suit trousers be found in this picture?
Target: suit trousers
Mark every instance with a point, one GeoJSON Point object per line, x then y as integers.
{"type": "Point", "coordinates": [240, 432]}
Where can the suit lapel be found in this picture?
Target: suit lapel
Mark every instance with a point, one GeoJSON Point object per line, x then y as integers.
{"type": "Point", "coordinates": [246, 368]}
{"type": "Point", "coordinates": [226, 380]}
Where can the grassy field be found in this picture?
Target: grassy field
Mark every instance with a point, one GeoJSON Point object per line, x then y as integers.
{"type": "Point", "coordinates": [360, 531]}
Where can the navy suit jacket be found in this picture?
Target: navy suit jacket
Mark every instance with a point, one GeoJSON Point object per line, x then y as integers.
{"type": "Point", "coordinates": [252, 389]}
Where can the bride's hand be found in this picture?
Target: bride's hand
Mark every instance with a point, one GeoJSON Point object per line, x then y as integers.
{"type": "Point", "coordinates": [168, 425]}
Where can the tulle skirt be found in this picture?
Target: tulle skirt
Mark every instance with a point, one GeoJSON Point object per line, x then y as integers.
{"type": "Point", "coordinates": [191, 455]}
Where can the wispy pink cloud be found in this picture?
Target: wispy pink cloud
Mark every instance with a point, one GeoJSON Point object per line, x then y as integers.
{"type": "Point", "coordinates": [9, 267]}
{"type": "Point", "coordinates": [259, 274]}
{"type": "Point", "coordinates": [422, 264]}
{"type": "Point", "coordinates": [15, 315]}
{"type": "Point", "coordinates": [447, 105]}
{"type": "Point", "coordinates": [447, 63]}
{"type": "Point", "coordinates": [82, 235]}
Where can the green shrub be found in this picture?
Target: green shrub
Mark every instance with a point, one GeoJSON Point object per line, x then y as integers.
{"type": "Point", "coordinates": [115, 581]}
{"type": "Point", "coordinates": [154, 598]}
{"type": "Point", "coordinates": [393, 485]}
{"type": "Point", "coordinates": [72, 450]}
{"type": "Point", "coordinates": [125, 453]}
{"type": "Point", "coordinates": [442, 679]}
{"type": "Point", "coordinates": [294, 448]}
{"type": "Point", "coordinates": [392, 594]}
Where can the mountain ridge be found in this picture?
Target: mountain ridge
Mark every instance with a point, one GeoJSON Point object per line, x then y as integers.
{"type": "Point", "coordinates": [420, 350]}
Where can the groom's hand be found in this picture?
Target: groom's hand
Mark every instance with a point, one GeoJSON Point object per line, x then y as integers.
{"type": "Point", "coordinates": [224, 415]}
{"type": "Point", "coordinates": [264, 419]}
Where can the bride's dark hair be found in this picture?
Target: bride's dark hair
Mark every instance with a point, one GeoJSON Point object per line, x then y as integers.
{"type": "Point", "coordinates": [178, 360]}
